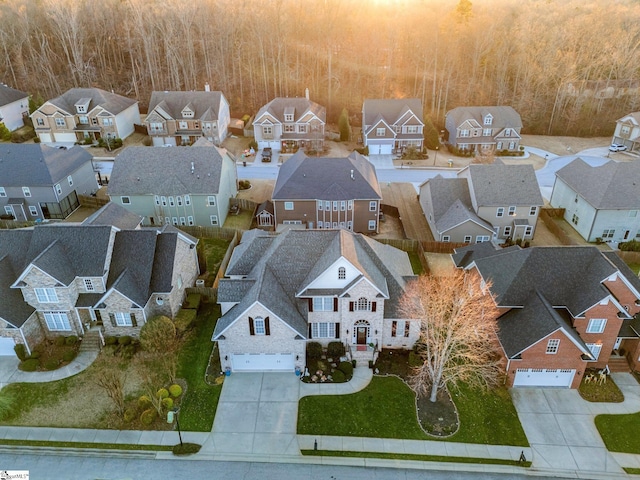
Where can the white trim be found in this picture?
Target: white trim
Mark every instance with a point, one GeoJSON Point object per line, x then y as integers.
{"type": "Point", "coordinates": [245, 314]}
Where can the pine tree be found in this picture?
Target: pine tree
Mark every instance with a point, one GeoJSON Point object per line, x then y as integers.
{"type": "Point", "coordinates": [343, 126]}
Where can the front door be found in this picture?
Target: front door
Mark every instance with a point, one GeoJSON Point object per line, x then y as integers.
{"type": "Point", "coordinates": [361, 335]}
{"type": "Point", "coordinates": [616, 345]}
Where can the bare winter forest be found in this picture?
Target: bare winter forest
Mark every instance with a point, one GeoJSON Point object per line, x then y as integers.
{"type": "Point", "coordinates": [569, 67]}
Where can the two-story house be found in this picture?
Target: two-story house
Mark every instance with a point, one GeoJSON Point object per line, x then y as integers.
{"type": "Point", "coordinates": [181, 118]}
{"type": "Point", "coordinates": [483, 203]}
{"type": "Point", "coordinates": [483, 129]}
{"type": "Point", "coordinates": [175, 186]}
{"type": "Point", "coordinates": [392, 125]}
{"type": "Point", "coordinates": [85, 113]}
{"type": "Point", "coordinates": [14, 107]}
{"type": "Point", "coordinates": [327, 193]}
{"type": "Point", "coordinates": [627, 132]}
{"type": "Point", "coordinates": [38, 182]}
{"type": "Point", "coordinates": [281, 291]}
{"type": "Point", "coordinates": [563, 309]}
{"type": "Point", "coordinates": [600, 202]}
{"type": "Point", "coordinates": [64, 279]}
{"type": "Point", "coordinates": [288, 124]}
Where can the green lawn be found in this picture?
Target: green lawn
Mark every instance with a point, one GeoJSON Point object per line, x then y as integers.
{"type": "Point", "coordinates": [619, 432]}
{"type": "Point", "coordinates": [198, 407]}
{"type": "Point", "coordinates": [242, 221]}
{"type": "Point", "coordinates": [635, 267]}
{"type": "Point", "coordinates": [214, 251]}
{"type": "Point", "coordinates": [386, 409]}
{"type": "Point", "coordinates": [415, 263]}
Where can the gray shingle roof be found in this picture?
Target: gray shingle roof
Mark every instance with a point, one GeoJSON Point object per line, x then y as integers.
{"type": "Point", "coordinates": [167, 171]}
{"type": "Point", "coordinates": [9, 95]}
{"type": "Point", "coordinates": [205, 104]}
{"type": "Point", "coordinates": [311, 178]}
{"type": "Point", "coordinates": [299, 105]}
{"type": "Point", "coordinates": [502, 116]}
{"type": "Point", "coordinates": [624, 269]}
{"type": "Point", "coordinates": [612, 186]}
{"type": "Point", "coordinates": [38, 165]}
{"type": "Point", "coordinates": [14, 309]}
{"type": "Point", "coordinates": [500, 185]}
{"type": "Point", "coordinates": [391, 110]}
{"type": "Point", "coordinates": [116, 215]}
{"type": "Point", "coordinates": [111, 102]}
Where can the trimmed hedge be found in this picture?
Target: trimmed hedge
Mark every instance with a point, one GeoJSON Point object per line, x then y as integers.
{"type": "Point", "coordinates": [346, 368]}
{"type": "Point", "coordinates": [314, 350]}
{"type": "Point", "coordinates": [148, 416]}
{"type": "Point", "coordinates": [30, 365]}
{"type": "Point", "coordinates": [186, 448]}
{"type": "Point", "coordinates": [335, 350]}
{"type": "Point", "coordinates": [338, 376]}
{"type": "Point", "coordinates": [21, 351]}
{"type": "Point", "coordinates": [175, 390]}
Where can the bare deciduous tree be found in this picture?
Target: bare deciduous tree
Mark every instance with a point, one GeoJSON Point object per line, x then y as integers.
{"type": "Point", "coordinates": [110, 380]}
{"type": "Point", "coordinates": [457, 332]}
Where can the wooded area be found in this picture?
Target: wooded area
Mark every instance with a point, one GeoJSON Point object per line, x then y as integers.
{"type": "Point", "coordinates": [568, 67]}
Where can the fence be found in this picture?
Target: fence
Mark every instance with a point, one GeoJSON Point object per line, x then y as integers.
{"type": "Point", "coordinates": [245, 204]}
{"type": "Point", "coordinates": [547, 215]}
{"type": "Point", "coordinates": [629, 257]}
{"type": "Point", "coordinates": [441, 247]}
{"type": "Point", "coordinates": [408, 245]}
{"type": "Point", "coordinates": [225, 260]}
{"type": "Point", "coordinates": [210, 293]}
{"type": "Point", "coordinates": [92, 202]}
{"type": "Point", "coordinates": [200, 231]}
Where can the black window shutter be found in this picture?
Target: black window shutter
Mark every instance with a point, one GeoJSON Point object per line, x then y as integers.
{"type": "Point", "coordinates": [337, 330]}
{"type": "Point", "coordinates": [251, 330]}
{"type": "Point", "coordinates": [112, 317]}
{"type": "Point", "coordinates": [335, 304]}
{"type": "Point", "coordinates": [310, 336]}
{"type": "Point", "coordinates": [373, 306]}
{"type": "Point", "coordinates": [351, 306]}
{"type": "Point", "coordinates": [311, 304]}
{"type": "Point", "coordinates": [134, 323]}
{"type": "Point", "coordinates": [266, 326]}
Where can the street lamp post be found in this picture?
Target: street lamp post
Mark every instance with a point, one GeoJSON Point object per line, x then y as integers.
{"type": "Point", "coordinates": [436, 157]}
{"type": "Point", "coordinates": [170, 416]}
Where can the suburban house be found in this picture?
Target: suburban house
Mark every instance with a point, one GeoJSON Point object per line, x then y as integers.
{"type": "Point", "coordinates": [483, 130]}
{"type": "Point", "coordinates": [327, 193]}
{"type": "Point", "coordinates": [627, 132]}
{"type": "Point", "coordinates": [287, 124]}
{"type": "Point", "coordinates": [63, 279]}
{"type": "Point", "coordinates": [175, 186]}
{"type": "Point", "coordinates": [82, 114]}
{"type": "Point", "coordinates": [562, 310]}
{"type": "Point", "coordinates": [38, 182]}
{"type": "Point", "coordinates": [391, 125]}
{"type": "Point", "coordinates": [600, 202]}
{"type": "Point", "coordinates": [281, 291]}
{"type": "Point", "coordinates": [14, 107]}
{"type": "Point", "coordinates": [181, 118]}
{"type": "Point", "coordinates": [495, 202]}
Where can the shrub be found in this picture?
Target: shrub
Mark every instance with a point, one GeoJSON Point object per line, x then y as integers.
{"type": "Point", "coordinates": [346, 368]}
{"type": "Point", "coordinates": [124, 340]}
{"type": "Point", "coordinates": [68, 355]}
{"type": "Point", "coordinates": [144, 402]}
{"type": "Point", "coordinates": [338, 376]}
{"type": "Point", "coordinates": [128, 351]}
{"type": "Point", "coordinates": [363, 150]}
{"type": "Point", "coordinates": [157, 333]}
{"type": "Point", "coordinates": [167, 403]}
{"type": "Point", "coordinates": [252, 144]}
{"type": "Point", "coordinates": [335, 349]}
{"type": "Point", "coordinates": [184, 319]}
{"type": "Point", "coordinates": [35, 354]}
{"type": "Point", "coordinates": [51, 364]}
{"type": "Point", "coordinates": [110, 340]}
{"type": "Point", "coordinates": [314, 350]}
{"type": "Point", "coordinates": [21, 351]}
{"type": "Point", "coordinates": [30, 365]}
{"type": "Point", "coordinates": [148, 416]}
{"type": "Point", "coordinates": [58, 341]}
{"type": "Point", "coordinates": [631, 246]}
{"type": "Point", "coordinates": [22, 134]}
{"type": "Point", "coordinates": [186, 448]}
{"type": "Point", "coordinates": [5, 134]}
{"type": "Point", "coordinates": [71, 340]}
{"type": "Point", "coordinates": [37, 140]}
{"type": "Point", "coordinates": [162, 393]}
{"type": "Point", "coordinates": [415, 360]}
{"type": "Point", "coordinates": [175, 390]}
{"type": "Point", "coordinates": [129, 415]}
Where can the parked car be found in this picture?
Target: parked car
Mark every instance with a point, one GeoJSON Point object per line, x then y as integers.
{"type": "Point", "coordinates": [266, 154]}
{"type": "Point", "coordinates": [617, 147]}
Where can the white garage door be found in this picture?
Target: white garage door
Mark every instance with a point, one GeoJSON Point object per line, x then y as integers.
{"type": "Point", "coordinates": [45, 137]}
{"type": "Point", "coordinates": [267, 144]}
{"type": "Point", "coordinates": [380, 149]}
{"type": "Point", "coordinates": [6, 346]}
{"type": "Point", "coordinates": [263, 361]}
{"type": "Point", "coordinates": [538, 377]}
{"type": "Point", "coordinates": [66, 137]}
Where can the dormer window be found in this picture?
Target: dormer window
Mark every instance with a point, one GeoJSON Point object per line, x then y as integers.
{"type": "Point", "coordinates": [488, 120]}
{"type": "Point", "coordinates": [187, 114]}
{"type": "Point", "coordinates": [288, 117]}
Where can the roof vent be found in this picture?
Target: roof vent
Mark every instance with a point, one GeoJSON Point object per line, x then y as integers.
{"type": "Point", "coordinates": [192, 168]}
{"type": "Point", "coordinates": [352, 177]}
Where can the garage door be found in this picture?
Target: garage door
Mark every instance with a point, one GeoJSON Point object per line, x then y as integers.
{"type": "Point", "coordinates": [66, 137]}
{"type": "Point", "coordinates": [45, 138]}
{"type": "Point", "coordinates": [538, 377]}
{"type": "Point", "coordinates": [6, 346]}
{"type": "Point", "coordinates": [267, 144]}
{"type": "Point", "coordinates": [263, 362]}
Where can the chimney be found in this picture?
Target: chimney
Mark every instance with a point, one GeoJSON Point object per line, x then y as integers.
{"type": "Point", "coordinates": [352, 177]}
{"type": "Point", "coordinates": [192, 168]}
{"type": "Point", "coordinates": [306, 93]}
{"type": "Point", "coordinates": [206, 87]}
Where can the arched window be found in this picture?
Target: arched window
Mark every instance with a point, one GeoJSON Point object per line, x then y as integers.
{"type": "Point", "coordinates": [342, 273]}
{"type": "Point", "coordinates": [363, 304]}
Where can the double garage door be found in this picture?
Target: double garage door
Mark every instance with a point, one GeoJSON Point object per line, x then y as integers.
{"type": "Point", "coordinates": [259, 362]}
{"type": "Point", "coordinates": [380, 149]}
{"type": "Point", "coordinates": [539, 377]}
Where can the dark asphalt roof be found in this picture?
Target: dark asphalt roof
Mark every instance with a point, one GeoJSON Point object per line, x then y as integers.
{"type": "Point", "coordinates": [111, 102]}
{"type": "Point", "coordinates": [391, 110]}
{"type": "Point", "coordinates": [116, 215]}
{"type": "Point", "coordinates": [9, 95]}
{"type": "Point", "coordinates": [299, 106]}
{"type": "Point", "coordinates": [205, 105]}
{"type": "Point", "coordinates": [503, 116]}
{"type": "Point", "coordinates": [500, 185]}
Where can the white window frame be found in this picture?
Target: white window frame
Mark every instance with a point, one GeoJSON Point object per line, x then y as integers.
{"type": "Point", "coordinates": [553, 344]}
{"type": "Point", "coordinates": [595, 349]}
{"type": "Point", "coordinates": [500, 212]}
{"type": "Point", "coordinates": [373, 206]}
{"type": "Point", "coordinates": [190, 220]}
{"type": "Point", "coordinates": [483, 238]}
{"type": "Point", "coordinates": [57, 321]}
{"type": "Point", "coordinates": [288, 205]}
{"type": "Point", "coordinates": [528, 230]}
{"type": "Point", "coordinates": [26, 191]}
{"type": "Point", "coordinates": [60, 122]}
{"type": "Point", "coordinates": [123, 319]}
{"type": "Point", "coordinates": [183, 221]}
{"type": "Point", "coordinates": [380, 132]}
{"type": "Point", "coordinates": [372, 225]}
{"type": "Point", "coordinates": [468, 238]}
{"type": "Point", "coordinates": [507, 231]}
{"type": "Point", "coordinates": [512, 211]}
{"type": "Point", "coordinates": [211, 201]}
{"type": "Point", "coordinates": [174, 220]}
{"type": "Point", "coordinates": [163, 199]}
{"type": "Point", "coordinates": [33, 211]}
{"type": "Point", "coordinates": [350, 205]}
{"type": "Point", "coordinates": [179, 200]}
{"type": "Point", "coordinates": [596, 325]}
{"type": "Point", "coordinates": [88, 285]}
{"type": "Point", "coordinates": [107, 122]}
{"type": "Point", "coordinates": [343, 205]}
{"type": "Point", "coordinates": [125, 200]}
{"type": "Point", "coordinates": [446, 238]}
{"type": "Point", "coordinates": [363, 304]}
{"type": "Point", "coordinates": [608, 233]}
{"type": "Point", "coordinates": [259, 326]}
{"type": "Point", "coordinates": [486, 132]}
{"type": "Point", "coordinates": [342, 273]}
{"type": "Point", "coordinates": [46, 295]}
{"type": "Point", "coordinates": [533, 211]}
{"type": "Point", "coordinates": [157, 199]}
{"type": "Point", "coordinates": [320, 204]}
{"type": "Point", "coordinates": [323, 304]}
{"type": "Point", "coordinates": [214, 220]}
{"type": "Point", "coordinates": [464, 133]}
{"type": "Point", "coordinates": [267, 130]}
{"type": "Point", "coordinates": [70, 180]}
{"type": "Point", "coordinates": [488, 119]}
{"type": "Point", "coordinates": [323, 330]}
{"type": "Point", "coordinates": [172, 202]}
{"type": "Point", "coordinates": [3, 192]}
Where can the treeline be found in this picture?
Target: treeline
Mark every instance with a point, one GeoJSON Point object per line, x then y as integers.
{"type": "Point", "coordinates": [569, 67]}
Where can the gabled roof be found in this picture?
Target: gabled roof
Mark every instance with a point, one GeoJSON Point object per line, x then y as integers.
{"type": "Point", "coordinates": [612, 186]}
{"type": "Point", "coordinates": [500, 185]}
{"type": "Point", "coordinates": [391, 110]}
{"type": "Point", "coordinates": [624, 269]}
{"type": "Point", "coordinates": [111, 102]}
{"type": "Point", "coordinates": [13, 307]}
{"type": "Point", "coordinates": [277, 267]}
{"type": "Point", "coordinates": [205, 105]}
{"type": "Point", "coordinates": [502, 116]}
{"type": "Point", "coordinates": [9, 95]}
{"type": "Point", "coordinates": [167, 171]}
{"type": "Point", "coordinates": [116, 215]}
{"type": "Point", "coordinates": [311, 178]}
{"type": "Point", "coordinates": [299, 105]}
{"type": "Point", "coordinates": [32, 165]}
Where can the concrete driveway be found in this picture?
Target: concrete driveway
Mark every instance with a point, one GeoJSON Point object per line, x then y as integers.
{"type": "Point", "coordinates": [561, 430]}
{"type": "Point", "coordinates": [257, 415]}
{"type": "Point", "coordinates": [8, 368]}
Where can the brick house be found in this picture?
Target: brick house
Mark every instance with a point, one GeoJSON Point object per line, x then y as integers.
{"type": "Point", "coordinates": [64, 279]}
{"type": "Point", "coordinates": [563, 310]}
{"type": "Point", "coordinates": [281, 291]}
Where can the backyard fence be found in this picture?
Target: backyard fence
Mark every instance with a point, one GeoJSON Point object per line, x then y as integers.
{"type": "Point", "coordinates": [629, 257]}
{"type": "Point", "coordinates": [547, 215]}
{"type": "Point", "coordinates": [209, 292]}
{"type": "Point", "coordinates": [441, 247]}
{"type": "Point", "coordinates": [245, 204]}
{"type": "Point", "coordinates": [200, 231]}
{"type": "Point", "coordinates": [225, 260]}
{"type": "Point", "coordinates": [92, 202]}
{"type": "Point", "coordinates": [11, 224]}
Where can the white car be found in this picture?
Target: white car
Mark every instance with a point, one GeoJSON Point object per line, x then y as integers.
{"type": "Point", "coordinates": [617, 147]}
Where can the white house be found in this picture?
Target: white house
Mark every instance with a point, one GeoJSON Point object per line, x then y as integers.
{"type": "Point", "coordinates": [14, 107]}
